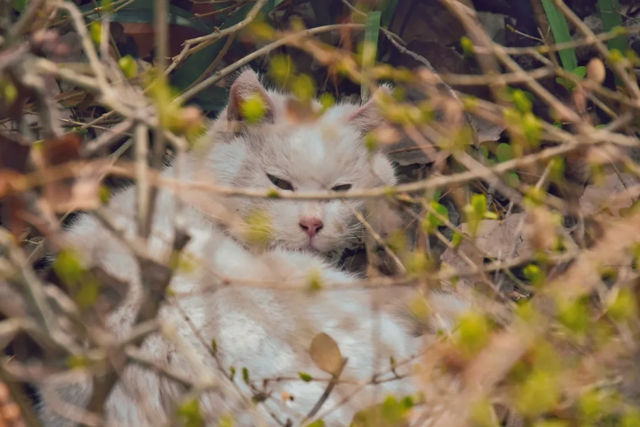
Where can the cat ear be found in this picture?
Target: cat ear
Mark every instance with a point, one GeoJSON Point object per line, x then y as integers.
{"type": "Point", "coordinates": [368, 117]}
{"type": "Point", "coordinates": [244, 87]}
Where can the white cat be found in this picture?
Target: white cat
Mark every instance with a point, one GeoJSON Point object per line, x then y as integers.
{"type": "Point", "coordinates": [266, 330]}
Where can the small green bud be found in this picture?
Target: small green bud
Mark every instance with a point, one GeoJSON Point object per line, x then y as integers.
{"type": "Point", "coordinates": [253, 108]}
{"type": "Point", "coordinates": [95, 30]}
{"type": "Point", "coordinates": [245, 375]}
{"type": "Point", "coordinates": [305, 377]}
{"type": "Point", "coordinates": [467, 46]}
{"type": "Point", "coordinates": [129, 66]}
{"type": "Point", "coordinates": [282, 68]}
{"type": "Point", "coordinates": [624, 307]}
{"type": "Point", "coordinates": [190, 413]}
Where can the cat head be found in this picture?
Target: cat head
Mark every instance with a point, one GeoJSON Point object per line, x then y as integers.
{"type": "Point", "coordinates": [278, 150]}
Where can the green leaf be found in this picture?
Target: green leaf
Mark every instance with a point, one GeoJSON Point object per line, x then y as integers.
{"type": "Point", "coordinates": [484, 151]}
{"type": "Point", "coordinates": [370, 48]}
{"type": "Point", "coordinates": [323, 17]}
{"type": "Point", "coordinates": [567, 84]}
{"type": "Point", "coordinates": [318, 423]}
{"type": "Point", "coordinates": [388, 12]}
{"type": "Point", "coordinates": [141, 11]}
{"type": "Point", "coordinates": [504, 152]}
{"type": "Point", "coordinates": [245, 375]}
{"type": "Point", "coordinates": [580, 71]}
{"type": "Point", "coordinates": [512, 179]}
{"type": "Point", "coordinates": [272, 4]}
{"type": "Point", "coordinates": [561, 34]}
{"type": "Point", "coordinates": [432, 222]}
{"type": "Point", "coordinates": [611, 19]}
{"type": "Point", "coordinates": [20, 5]}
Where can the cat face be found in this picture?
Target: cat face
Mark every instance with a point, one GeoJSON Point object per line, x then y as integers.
{"type": "Point", "coordinates": [292, 155]}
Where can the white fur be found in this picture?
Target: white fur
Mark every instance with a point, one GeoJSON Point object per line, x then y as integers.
{"type": "Point", "coordinates": [268, 331]}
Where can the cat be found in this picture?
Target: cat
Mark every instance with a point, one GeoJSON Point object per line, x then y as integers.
{"type": "Point", "coordinates": [265, 329]}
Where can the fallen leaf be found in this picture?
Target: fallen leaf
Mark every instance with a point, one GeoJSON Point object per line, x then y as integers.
{"type": "Point", "coordinates": [61, 150]}
{"type": "Point", "coordinates": [540, 229]}
{"type": "Point", "coordinates": [609, 195]}
{"type": "Point", "coordinates": [82, 190]}
{"type": "Point", "coordinates": [325, 353]}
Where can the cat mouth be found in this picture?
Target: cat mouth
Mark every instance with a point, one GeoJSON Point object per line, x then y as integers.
{"type": "Point", "coordinates": [311, 248]}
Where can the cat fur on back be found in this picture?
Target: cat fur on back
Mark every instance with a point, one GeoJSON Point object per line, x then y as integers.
{"type": "Point", "coordinates": [266, 329]}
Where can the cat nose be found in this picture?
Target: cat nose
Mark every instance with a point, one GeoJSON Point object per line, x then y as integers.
{"type": "Point", "coordinates": [311, 225]}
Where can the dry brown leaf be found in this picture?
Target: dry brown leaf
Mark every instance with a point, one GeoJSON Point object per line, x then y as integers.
{"type": "Point", "coordinates": [62, 150]}
{"type": "Point", "coordinates": [82, 190]}
{"type": "Point", "coordinates": [79, 193]}
{"type": "Point", "coordinates": [608, 195]}
{"type": "Point", "coordinates": [325, 353]}
{"type": "Point", "coordinates": [541, 229]}
{"type": "Point", "coordinates": [500, 240]}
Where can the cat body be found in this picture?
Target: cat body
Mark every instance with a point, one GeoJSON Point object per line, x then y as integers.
{"type": "Point", "coordinates": [225, 324]}
{"type": "Point", "coordinates": [267, 331]}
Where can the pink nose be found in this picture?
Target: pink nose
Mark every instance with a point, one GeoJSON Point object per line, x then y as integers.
{"type": "Point", "coordinates": [311, 225]}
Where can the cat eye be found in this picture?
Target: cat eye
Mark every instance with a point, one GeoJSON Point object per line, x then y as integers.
{"type": "Point", "coordinates": [343, 187]}
{"type": "Point", "coordinates": [280, 183]}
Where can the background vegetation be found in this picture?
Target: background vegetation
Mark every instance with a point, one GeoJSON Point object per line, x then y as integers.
{"type": "Point", "coordinates": [514, 126]}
